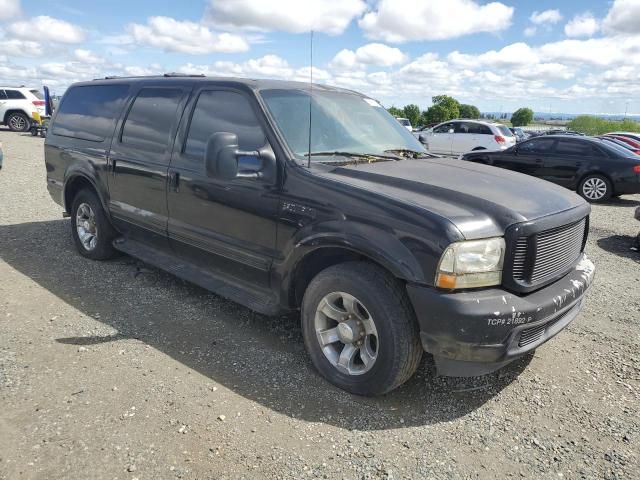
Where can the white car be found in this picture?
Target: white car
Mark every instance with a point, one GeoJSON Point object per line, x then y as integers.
{"type": "Point", "coordinates": [405, 122]}
{"type": "Point", "coordinates": [17, 105]}
{"type": "Point", "coordinates": [457, 137]}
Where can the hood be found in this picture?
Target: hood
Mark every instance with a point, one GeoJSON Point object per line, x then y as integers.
{"type": "Point", "coordinates": [482, 201]}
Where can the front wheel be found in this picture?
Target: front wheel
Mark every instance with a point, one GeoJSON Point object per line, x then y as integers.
{"type": "Point", "coordinates": [360, 329]}
{"type": "Point", "coordinates": [92, 233]}
{"type": "Point", "coordinates": [595, 188]}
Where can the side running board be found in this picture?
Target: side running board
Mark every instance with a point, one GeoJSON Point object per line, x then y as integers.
{"type": "Point", "coordinates": [261, 301]}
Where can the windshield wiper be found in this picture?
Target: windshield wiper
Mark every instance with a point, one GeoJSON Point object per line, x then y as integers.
{"type": "Point", "coordinates": [370, 157]}
{"type": "Point", "coordinates": [407, 152]}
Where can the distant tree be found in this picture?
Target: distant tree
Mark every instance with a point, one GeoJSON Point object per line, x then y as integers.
{"type": "Point", "coordinates": [444, 108]}
{"type": "Point", "coordinates": [522, 117]}
{"type": "Point", "coordinates": [412, 112]}
{"type": "Point", "coordinates": [395, 111]}
{"type": "Point", "coordinates": [469, 111]}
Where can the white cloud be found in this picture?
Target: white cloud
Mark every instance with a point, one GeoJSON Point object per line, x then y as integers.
{"type": "Point", "coordinates": [548, 16]}
{"type": "Point", "coordinates": [44, 28]}
{"type": "Point", "coordinates": [582, 25]}
{"type": "Point", "coordinates": [370, 54]}
{"type": "Point", "coordinates": [21, 48]}
{"type": "Point", "coordinates": [87, 56]}
{"type": "Point", "coordinates": [545, 71]}
{"type": "Point", "coordinates": [594, 51]}
{"type": "Point", "coordinates": [415, 20]}
{"type": "Point", "coordinates": [293, 16]}
{"type": "Point", "coordinates": [192, 38]}
{"type": "Point", "coordinates": [9, 9]}
{"type": "Point", "coordinates": [515, 54]}
{"type": "Point", "coordinates": [530, 31]}
{"type": "Point", "coordinates": [623, 17]}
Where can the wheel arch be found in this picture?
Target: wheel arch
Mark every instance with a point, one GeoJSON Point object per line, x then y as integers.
{"type": "Point", "coordinates": [595, 172]}
{"type": "Point", "coordinates": [74, 184]}
{"type": "Point", "coordinates": [15, 110]}
{"type": "Point", "coordinates": [309, 260]}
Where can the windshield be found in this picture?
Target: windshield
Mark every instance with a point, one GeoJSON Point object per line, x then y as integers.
{"type": "Point", "coordinates": [619, 149]}
{"type": "Point", "coordinates": [340, 122]}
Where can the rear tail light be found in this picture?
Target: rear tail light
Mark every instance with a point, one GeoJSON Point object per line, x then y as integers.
{"type": "Point", "coordinates": [39, 103]}
{"type": "Point", "coordinates": [500, 139]}
{"type": "Point", "coordinates": [636, 169]}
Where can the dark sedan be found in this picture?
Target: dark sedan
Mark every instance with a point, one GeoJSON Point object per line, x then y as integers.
{"type": "Point", "coordinates": [595, 168]}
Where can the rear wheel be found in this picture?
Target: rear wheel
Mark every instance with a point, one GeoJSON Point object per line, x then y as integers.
{"type": "Point", "coordinates": [90, 227]}
{"type": "Point", "coordinates": [18, 122]}
{"type": "Point", "coordinates": [359, 329]}
{"type": "Point", "coordinates": [595, 188]}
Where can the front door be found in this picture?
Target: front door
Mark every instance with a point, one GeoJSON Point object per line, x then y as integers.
{"type": "Point", "coordinates": [441, 138]}
{"type": "Point", "coordinates": [225, 226]}
{"type": "Point", "coordinates": [138, 163]}
{"type": "Point", "coordinates": [527, 157]}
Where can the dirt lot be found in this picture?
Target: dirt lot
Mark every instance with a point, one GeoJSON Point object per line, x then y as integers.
{"type": "Point", "coordinates": [116, 370]}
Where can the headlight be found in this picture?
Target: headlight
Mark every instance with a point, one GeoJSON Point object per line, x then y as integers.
{"type": "Point", "coordinates": [471, 264]}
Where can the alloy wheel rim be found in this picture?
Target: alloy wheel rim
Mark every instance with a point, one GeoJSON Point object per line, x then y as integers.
{"type": "Point", "coordinates": [346, 333]}
{"type": "Point", "coordinates": [17, 122]}
{"type": "Point", "coordinates": [594, 188]}
{"type": "Point", "coordinates": [86, 226]}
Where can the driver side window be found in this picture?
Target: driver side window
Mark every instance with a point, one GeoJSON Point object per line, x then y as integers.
{"type": "Point", "coordinates": [443, 128]}
{"type": "Point", "coordinates": [222, 111]}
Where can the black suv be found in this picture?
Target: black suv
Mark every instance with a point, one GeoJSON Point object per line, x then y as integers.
{"type": "Point", "coordinates": [285, 197]}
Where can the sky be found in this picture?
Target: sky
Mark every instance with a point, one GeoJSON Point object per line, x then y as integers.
{"type": "Point", "coordinates": [572, 56]}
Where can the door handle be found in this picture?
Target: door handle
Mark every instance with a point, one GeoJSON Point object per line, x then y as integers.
{"type": "Point", "coordinates": [174, 180]}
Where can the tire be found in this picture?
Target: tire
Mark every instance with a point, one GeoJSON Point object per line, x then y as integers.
{"type": "Point", "coordinates": [595, 188]}
{"type": "Point", "coordinates": [18, 122]}
{"type": "Point", "coordinates": [392, 347]}
{"type": "Point", "coordinates": [96, 242]}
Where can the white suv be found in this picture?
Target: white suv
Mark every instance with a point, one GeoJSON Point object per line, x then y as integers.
{"type": "Point", "coordinates": [17, 105]}
{"type": "Point", "coordinates": [456, 137]}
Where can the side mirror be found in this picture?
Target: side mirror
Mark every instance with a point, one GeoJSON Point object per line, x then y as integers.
{"type": "Point", "coordinates": [224, 159]}
{"type": "Point", "coordinates": [451, 130]}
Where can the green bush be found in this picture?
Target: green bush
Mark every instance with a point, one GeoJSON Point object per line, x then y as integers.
{"type": "Point", "coordinates": [597, 126]}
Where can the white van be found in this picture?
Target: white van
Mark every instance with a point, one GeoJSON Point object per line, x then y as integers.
{"type": "Point", "coordinates": [456, 137]}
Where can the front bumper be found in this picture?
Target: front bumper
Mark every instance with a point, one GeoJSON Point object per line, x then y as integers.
{"type": "Point", "coordinates": [477, 332]}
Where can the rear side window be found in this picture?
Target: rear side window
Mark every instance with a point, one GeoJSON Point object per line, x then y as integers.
{"type": "Point", "coordinates": [89, 113]}
{"type": "Point", "coordinates": [479, 129]}
{"type": "Point", "coordinates": [15, 95]}
{"type": "Point", "coordinates": [3, 96]}
{"type": "Point", "coordinates": [567, 147]}
{"type": "Point", "coordinates": [537, 145]}
{"type": "Point", "coordinates": [505, 131]}
{"type": "Point", "coordinates": [150, 119]}
{"type": "Point", "coordinates": [223, 111]}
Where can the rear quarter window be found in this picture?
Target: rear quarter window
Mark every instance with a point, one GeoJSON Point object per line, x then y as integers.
{"type": "Point", "coordinates": [89, 112]}
{"type": "Point", "coordinates": [505, 131]}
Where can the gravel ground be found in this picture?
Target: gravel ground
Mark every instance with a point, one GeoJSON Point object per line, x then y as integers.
{"type": "Point", "coordinates": [117, 370]}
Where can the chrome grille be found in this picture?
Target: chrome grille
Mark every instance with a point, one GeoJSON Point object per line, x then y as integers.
{"type": "Point", "coordinates": [543, 255]}
{"type": "Point", "coordinates": [519, 259]}
{"type": "Point", "coordinates": [556, 250]}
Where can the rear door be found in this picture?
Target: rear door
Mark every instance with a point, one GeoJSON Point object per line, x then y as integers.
{"type": "Point", "coordinates": [463, 137]}
{"type": "Point", "coordinates": [139, 160]}
{"type": "Point", "coordinates": [225, 226]}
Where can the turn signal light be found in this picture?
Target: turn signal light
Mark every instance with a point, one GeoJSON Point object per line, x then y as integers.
{"type": "Point", "coordinates": [500, 139]}
{"type": "Point", "coordinates": [636, 169]}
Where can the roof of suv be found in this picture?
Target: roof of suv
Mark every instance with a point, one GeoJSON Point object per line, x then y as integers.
{"type": "Point", "coordinates": [252, 83]}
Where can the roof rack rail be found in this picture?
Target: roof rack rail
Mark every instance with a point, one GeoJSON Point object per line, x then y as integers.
{"type": "Point", "coordinates": [178, 74]}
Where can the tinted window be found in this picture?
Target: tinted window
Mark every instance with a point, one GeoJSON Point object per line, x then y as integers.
{"type": "Point", "coordinates": [223, 111]}
{"type": "Point", "coordinates": [566, 147]}
{"type": "Point", "coordinates": [14, 95]}
{"type": "Point", "coordinates": [89, 113]}
{"type": "Point", "coordinates": [479, 129]}
{"type": "Point", "coordinates": [150, 119]}
{"type": "Point", "coordinates": [443, 128]}
{"type": "Point", "coordinates": [37, 94]}
{"type": "Point", "coordinates": [463, 127]}
{"type": "Point", "coordinates": [3, 95]}
{"type": "Point", "coordinates": [537, 145]}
